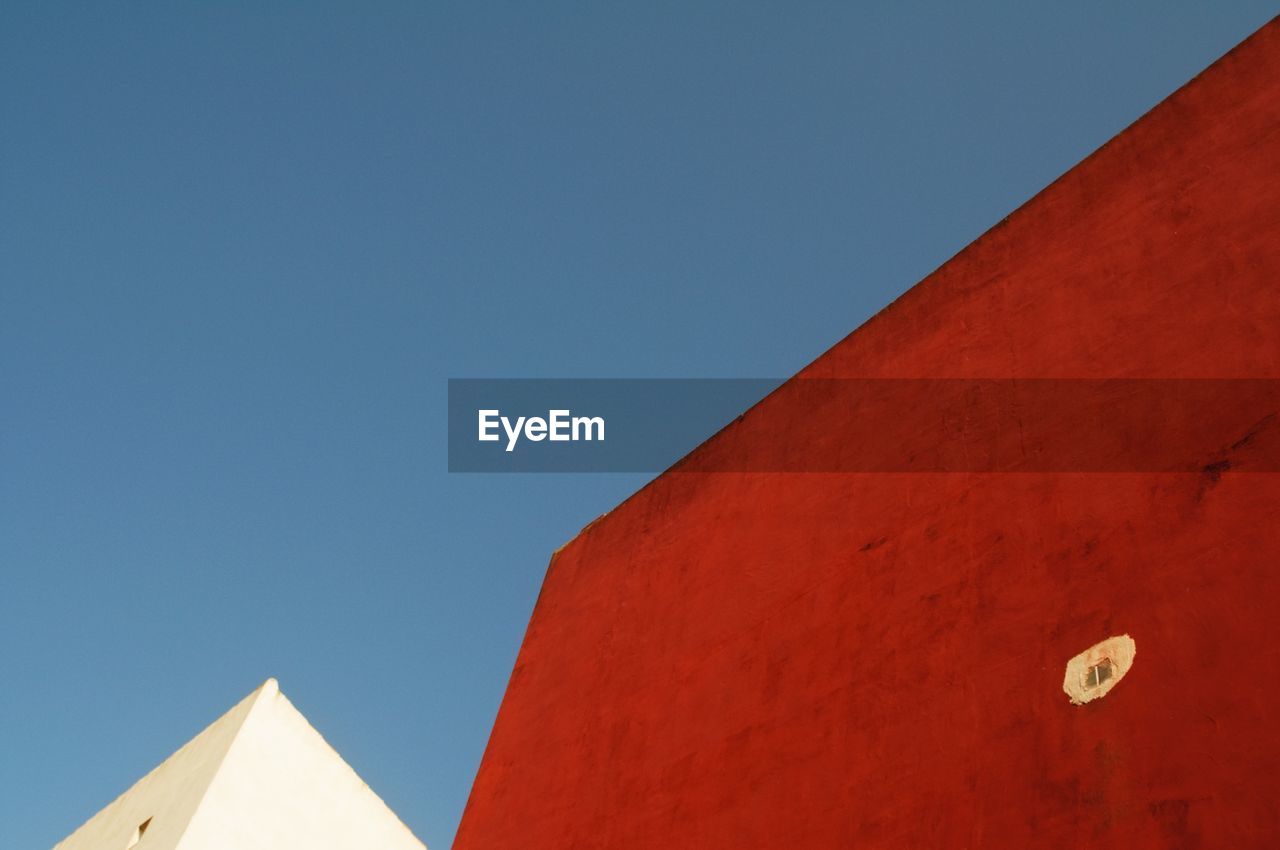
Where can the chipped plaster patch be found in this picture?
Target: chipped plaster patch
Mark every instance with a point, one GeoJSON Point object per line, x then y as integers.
{"type": "Point", "coordinates": [1094, 672]}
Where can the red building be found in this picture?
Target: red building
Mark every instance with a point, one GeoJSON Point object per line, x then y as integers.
{"type": "Point", "coordinates": [876, 659]}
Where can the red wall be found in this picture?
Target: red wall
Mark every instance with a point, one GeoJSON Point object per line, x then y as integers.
{"type": "Point", "coordinates": [738, 660]}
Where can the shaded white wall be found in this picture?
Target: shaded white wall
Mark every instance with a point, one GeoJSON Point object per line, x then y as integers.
{"type": "Point", "coordinates": [169, 795]}
{"type": "Point", "coordinates": [259, 778]}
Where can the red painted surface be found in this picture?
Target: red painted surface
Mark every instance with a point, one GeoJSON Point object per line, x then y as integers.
{"type": "Point", "coordinates": [740, 660]}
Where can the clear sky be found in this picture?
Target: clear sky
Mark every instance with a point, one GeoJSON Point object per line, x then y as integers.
{"type": "Point", "coordinates": [243, 246]}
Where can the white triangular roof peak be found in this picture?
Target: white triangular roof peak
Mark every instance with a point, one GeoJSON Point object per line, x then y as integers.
{"type": "Point", "coordinates": [259, 778]}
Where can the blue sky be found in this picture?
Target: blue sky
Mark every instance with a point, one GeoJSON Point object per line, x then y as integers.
{"type": "Point", "coordinates": [243, 246]}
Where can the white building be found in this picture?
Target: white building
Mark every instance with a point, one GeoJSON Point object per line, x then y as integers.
{"type": "Point", "coordinates": [259, 778]}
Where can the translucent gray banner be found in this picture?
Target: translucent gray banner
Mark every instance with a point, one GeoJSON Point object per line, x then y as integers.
{"type": "Point", "coordinates": [864, 425]}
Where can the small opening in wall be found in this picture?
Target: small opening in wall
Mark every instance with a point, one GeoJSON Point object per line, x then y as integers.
{"type": "Point", "coordinates": [1093, 673]}
{"type": "Point", "coordinates": [1098, 673]}
{"type": "Point", "coordinates": [138, 833]}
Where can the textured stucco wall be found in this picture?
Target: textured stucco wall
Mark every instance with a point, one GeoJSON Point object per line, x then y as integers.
{"type": "Point", "coordinates": [877, 660]}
